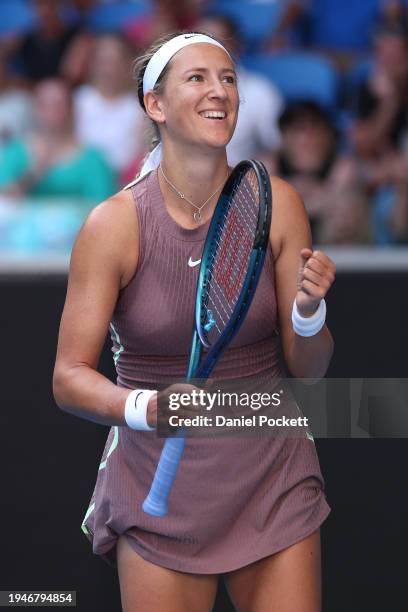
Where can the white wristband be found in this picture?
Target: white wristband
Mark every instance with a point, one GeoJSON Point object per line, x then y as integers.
{"type": "Point", "coordinates": [136, 409]}
{"type": "Point", "coordinates": [309, 326]}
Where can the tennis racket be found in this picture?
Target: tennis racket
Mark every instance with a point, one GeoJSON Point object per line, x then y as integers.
{"type": "Point", "coordinates": [232, 260]}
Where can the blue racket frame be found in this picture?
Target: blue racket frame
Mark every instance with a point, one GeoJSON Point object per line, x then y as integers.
{"type": "Point", "coordinates": [156, 503]}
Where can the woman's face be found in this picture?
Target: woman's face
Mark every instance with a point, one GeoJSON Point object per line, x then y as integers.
{"type": "Point", "coordinates": [52, 105]}
{"type": "Point", "coordinates": [199, 104]}
{"type": "Point", "coordinates": [391, 54]}
{"type": "Point", "coordinates": [111, 65]}
{"type": "Point", "coordinates": [307, 144]}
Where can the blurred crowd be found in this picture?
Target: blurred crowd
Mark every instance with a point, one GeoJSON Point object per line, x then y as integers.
{"type": "Point", "coordinates": [323, 88]}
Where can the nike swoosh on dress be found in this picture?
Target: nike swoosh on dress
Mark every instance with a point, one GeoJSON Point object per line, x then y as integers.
{"type": "Point", "coordinates": [192, 263]}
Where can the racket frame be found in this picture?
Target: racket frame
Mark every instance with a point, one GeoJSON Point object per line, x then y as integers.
{"type": "Point", "coordinates": [255, 263]}
{"type": "Point", "coordinates": [156, 502]}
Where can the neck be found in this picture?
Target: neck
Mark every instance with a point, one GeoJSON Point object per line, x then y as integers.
{"type": "Point", "coordinates": [54, 136]}
{"type": "Point", "coordinates": [110, 91]}
{"type": "Point", "coordinates": [52, 29]}
{"type": "Point", "coordinates": [196, 174]}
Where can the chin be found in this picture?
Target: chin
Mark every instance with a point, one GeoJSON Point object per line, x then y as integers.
{"type": "Point", "coordinates": [219, 141]}
{"type": "Point", "coordinates": [216, 147]}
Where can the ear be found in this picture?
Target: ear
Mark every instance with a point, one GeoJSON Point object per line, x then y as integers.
{"type": "Point", "coordinates": [154, 107]}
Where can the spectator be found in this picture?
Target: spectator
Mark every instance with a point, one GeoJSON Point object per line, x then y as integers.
{"type": "Point", "coordinates": [53, 49]}
{"type": "Point", "coordinates": [292, 14]}
{"type": "Point", "coordinates": [51, 162]}
{"type": "Point", "coordinates": [380, 102]}
{"type": "Point", "coordinates": [380, 130]}
{"type": "Point", "coordinates": [15, 108]}
{"type": "Point", "coordinates": [166, 16]}
{"type": "Point", "coordinates": [394, 10]}
{"type": "Point", "coordinates": [399, 212]}
{"type": "Point", "coordinates": [257, 131]}
{"type": "Point", "coordinates": [329, 184]}
{"type": "Point", "coordinates": [390, 202]}
{"type": "Point", "coordinates": [388, 185]}
{"type": "Point", "coordinates": [107, 113]}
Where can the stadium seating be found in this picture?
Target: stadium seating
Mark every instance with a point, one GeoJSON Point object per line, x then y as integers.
{"type": "Point", "coordinates": [256, 19]}
{"type": "Point", "coordinates": [342, 25]}
{"type": "Point", "coordinates": [16, 16]}
{"type": "Point", "coordinates": [114, 16]}
{"type": "Point", "coordinates": [299, 75]}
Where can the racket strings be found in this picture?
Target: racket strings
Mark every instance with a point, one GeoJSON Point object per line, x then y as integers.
{"type": "Point", "coordinates": [218, 291]}
{"type": "Point", "coordinates": [218, 303]}
{"type": "Point", "coordinates": [254, 210]}
{"type": "Point", "coordinates": [232, 250]}
{"type": "Point", "coordinates": [240, 202]}
{"type": "Point", "coordinates": [235, 219]}
{"type": "Point", "coordinates": [242, 222]}
{"type": "Point", "coordinates": [215, 304]}
{"type": "Point", "coordinates": [235, 267]}
{"type": "Point", "coordinates": [233, 263]}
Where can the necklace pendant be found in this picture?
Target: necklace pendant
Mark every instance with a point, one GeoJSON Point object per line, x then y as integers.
{"type": "Point", "coordinates": [197, 216]}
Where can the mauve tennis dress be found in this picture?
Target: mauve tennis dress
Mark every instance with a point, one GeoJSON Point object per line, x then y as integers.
{"type": "Point", "coordinates": [235, 499]}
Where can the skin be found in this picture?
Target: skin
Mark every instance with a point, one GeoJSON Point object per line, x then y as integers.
{"type": "Point", "coordinates": [97, 274]}
{"type": "Point", "coordinates": [307, 144]}
{"type": "Point", "coordinates": [111, 67]}
{"type": "Point", "coordinates": [389, 83]}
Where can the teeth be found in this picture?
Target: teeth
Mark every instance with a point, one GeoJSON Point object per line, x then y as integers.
{"type": "Point", "coordinates": [213, 114]}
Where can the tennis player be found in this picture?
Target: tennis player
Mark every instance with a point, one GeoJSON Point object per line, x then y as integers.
{"type": "Point", "coordinates": [250, 510]}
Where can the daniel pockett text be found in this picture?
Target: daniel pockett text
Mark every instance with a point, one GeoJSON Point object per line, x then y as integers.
{"type": "Point", "coordinates": [206, 403]}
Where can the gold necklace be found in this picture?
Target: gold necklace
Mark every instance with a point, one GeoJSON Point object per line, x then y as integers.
{"type": "Point", "coordinates": [196, 215]}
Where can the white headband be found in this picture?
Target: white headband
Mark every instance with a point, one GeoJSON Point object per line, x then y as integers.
{"type": "Point", "coordinates": [162, 57]}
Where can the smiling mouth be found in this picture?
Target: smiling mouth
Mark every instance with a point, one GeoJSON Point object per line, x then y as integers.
{"type": "Point", "coordinates": [215, 115]}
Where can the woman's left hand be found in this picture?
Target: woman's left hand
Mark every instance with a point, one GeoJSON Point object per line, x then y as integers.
{"type": "Point", "coordinates": [315, 277]}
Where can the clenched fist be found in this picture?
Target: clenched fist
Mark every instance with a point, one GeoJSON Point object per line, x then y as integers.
{"type": "Point", "coordinates": [315, 277]}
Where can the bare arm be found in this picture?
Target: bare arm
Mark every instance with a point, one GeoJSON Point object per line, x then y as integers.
{"type": "Point", "coordinates": [104, 256]}
{"type": "Point", "coordinates": [75, 64]}
{"type": "Point", "coordinates": [291, 14]}
{"type": "Point", "coordinates": [371, 134]}
{"type": "Point", "coordinates": [294, 10]}
{"type": "Point", "coordinates": [306, 278]}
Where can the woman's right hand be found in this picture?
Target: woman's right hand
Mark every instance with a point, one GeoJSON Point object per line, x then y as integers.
{"type": "Point", "coordinates": [158, 408]}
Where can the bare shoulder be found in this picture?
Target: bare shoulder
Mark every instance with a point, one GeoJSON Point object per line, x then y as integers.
{"type": "Point", "coordinates": [286, 199]}
{"type": "Point", "coordinates": [289, 217]}
{"type": "Point", "coordinates": [110, 235]}
{"type": "Point", "coordinates": [112, 217]}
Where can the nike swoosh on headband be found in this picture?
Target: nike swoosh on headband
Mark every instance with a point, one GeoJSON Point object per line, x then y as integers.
{"type": "Point", "coordinates": [192, 263]}
{"type": "Point", "coordinates": [163, 55]}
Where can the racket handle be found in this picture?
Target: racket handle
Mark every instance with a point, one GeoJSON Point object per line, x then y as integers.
{"type": "Point", "coordinates": [155, 503]}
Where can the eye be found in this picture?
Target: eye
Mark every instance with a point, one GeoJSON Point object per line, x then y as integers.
{"type": "Point", "coordinates": [195, 77]}
{"type": "Point", "coordinates": [230, 79]}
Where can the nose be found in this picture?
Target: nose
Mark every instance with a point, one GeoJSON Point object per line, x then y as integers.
{"type": "Point", "coordinates": [217, 89]}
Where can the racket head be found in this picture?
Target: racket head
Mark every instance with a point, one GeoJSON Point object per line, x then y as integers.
{"type": "Point", "coordinates": [233, 254]}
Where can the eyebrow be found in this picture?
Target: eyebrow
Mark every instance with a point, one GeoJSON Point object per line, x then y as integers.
{"type": "Point", "coordinates": [206, 70]}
